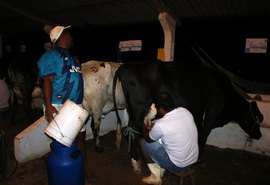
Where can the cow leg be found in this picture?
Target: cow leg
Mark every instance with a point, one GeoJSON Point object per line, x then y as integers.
{"type": "Point", "coordinates": [202, 141]}
{"type": "Point", "coordinates": [211, 120]}
{"type": "Point", "coordinates": [135, 159]}
{"type": "Point", "coordinates": [118, 135]}
{"type": "Point", "coordinates": [27, 108]}
{"type": "Point", "coordinates": [95, 126]}
{"type": "Point", "coordinates": [133, 150]}
{"type": "Point", "coordinates": [136, 166]}
{"type": "Point", "coordinates": [12, 103]}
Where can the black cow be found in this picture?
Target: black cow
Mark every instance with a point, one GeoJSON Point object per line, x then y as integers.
{"type": "Point", "coordinates": [207, 93]}
{"type": "Point", "coordinates": [23, 78]}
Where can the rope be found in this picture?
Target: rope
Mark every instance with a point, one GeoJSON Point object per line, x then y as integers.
{"type": "Point", "coordinates": [130, 133]}
{"type": "Point", "coordinates": [249, 141]}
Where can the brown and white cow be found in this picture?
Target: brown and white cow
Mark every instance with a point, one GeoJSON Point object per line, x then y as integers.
{"type": "Point", "coordinates": [98, 96]}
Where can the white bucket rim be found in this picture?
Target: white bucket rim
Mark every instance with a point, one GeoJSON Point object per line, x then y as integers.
{"type": "Point", "coordinates": [52, 132]}
{"type": "Point", "coordinates": [67, 123]}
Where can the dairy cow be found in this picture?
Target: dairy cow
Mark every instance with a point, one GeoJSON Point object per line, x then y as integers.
{"type": "Point", "coordinates": [23, 78]}
{"type": "Point", "coordinates": [98, 97]}
{"type": "Point", "coordinates": [207, 93]}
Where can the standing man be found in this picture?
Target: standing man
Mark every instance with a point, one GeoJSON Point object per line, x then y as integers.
{"type": "Point", "coordinates": [62, 79]}
{"type": "Point", "coordinates": [171, 142]}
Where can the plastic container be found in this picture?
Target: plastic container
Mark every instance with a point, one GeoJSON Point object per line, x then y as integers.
{"type": "Point", "coordinates": [67, 123]}
{"type": "Point", "coordinates": [65, 165]}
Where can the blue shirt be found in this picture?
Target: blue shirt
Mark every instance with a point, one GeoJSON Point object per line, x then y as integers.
{"type": "Point", "coordinates": [67, 81]}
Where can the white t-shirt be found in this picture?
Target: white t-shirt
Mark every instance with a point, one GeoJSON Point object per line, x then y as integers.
{"type": "Point", "coordinates": [4, 94]}
{"type": "Point", "coordinates": [178, 133]}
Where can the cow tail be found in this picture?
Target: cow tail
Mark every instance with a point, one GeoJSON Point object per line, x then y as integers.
{"type": "Point", "coordinates": [115, 78]}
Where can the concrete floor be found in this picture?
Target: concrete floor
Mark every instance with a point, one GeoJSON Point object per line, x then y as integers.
{"type": "Point", "coordinates": [223, 166]}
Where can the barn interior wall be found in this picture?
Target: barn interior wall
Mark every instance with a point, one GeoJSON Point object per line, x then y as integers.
{"type": "Point", "coordinates": [102, 43]}
{"type": "Point", "coordinates": [92, 43]}
{"type": "Point", "coordinates": [223, 41]}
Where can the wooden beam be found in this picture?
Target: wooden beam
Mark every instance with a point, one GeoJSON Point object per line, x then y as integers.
{"type": "Point", "coordinates": [168, 24]}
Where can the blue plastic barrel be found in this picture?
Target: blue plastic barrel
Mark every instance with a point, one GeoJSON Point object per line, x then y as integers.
{"type": "Point", "coordinates": [65, 165]}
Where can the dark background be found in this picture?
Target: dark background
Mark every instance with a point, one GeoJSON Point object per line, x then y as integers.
{"type": "Point", "coordinates": [222, 40]}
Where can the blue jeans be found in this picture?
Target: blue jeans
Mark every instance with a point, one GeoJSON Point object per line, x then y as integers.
{"type": "Point", "coordinates": [158, 154]}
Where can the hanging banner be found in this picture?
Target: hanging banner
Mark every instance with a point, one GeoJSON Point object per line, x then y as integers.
{"type": "Point", "coordinates": [130, 45]}
{"type": "Point", "coordinates": [256, 45]}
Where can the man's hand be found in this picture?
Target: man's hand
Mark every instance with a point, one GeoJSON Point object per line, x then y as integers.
{"type": "Point", "coordinates": [50, 113]}
{"type": "Point", "coordinates": [148, 126]}
{"type": "Point", "coordinates": [146, 130]}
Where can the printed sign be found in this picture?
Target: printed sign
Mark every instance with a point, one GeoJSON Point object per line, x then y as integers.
{"type": "Point", "coordinates": [256, 45]}
{"type": "Point", "coordinates": [130, 45]}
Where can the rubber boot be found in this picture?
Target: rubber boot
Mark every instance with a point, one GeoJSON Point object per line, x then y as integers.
{"type": "Point", "coordinates": [156, 173]}
{"type": "Point", "coordinates": [162, 171]}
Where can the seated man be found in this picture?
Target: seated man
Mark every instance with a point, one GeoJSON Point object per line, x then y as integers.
{"type": "Point", "coordinates": [171, 142]}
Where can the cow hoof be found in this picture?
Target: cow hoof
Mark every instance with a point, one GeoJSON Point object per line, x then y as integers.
{"type": "Point", "coordinates": [136, 165]}
{"type": "Point", "coordinates": [98, 149]}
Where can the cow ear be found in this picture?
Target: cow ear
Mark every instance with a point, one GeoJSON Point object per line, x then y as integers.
{"type": "Point", "coordinates": [102, 65]}
{"type": "Point", "coordinates": [254, 106]}
{"type": "Point", "coordinates": [256, 111]}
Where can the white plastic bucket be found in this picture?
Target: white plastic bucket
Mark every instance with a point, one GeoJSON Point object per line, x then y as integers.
{"type": "Point", "coordinates": [67, 123]}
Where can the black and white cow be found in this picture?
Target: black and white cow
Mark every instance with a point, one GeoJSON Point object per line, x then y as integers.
{"type": "Point", "coordinates": [23, 78]}
{"type": "Point", "coordinates": [98, 97]}
{"type": "Point", "coordinates": [207, 93]}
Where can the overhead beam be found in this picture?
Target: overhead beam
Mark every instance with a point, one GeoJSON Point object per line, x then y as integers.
{"type": "Point", "coordinates": [26, 13]}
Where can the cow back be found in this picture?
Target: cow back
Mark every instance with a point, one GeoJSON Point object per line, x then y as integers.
{"type": "Point", "coordinates": [98, 80]}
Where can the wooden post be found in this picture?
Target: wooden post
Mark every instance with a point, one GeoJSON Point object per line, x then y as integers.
{"type": "Point", "coordinates": [168, 24]}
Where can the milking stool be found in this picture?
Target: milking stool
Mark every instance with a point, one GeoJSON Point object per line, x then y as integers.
{"type": "Point", "coordinates": [190, 172]}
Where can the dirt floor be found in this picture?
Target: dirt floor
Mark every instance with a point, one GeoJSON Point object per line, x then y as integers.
{"type": "Point", "coordinates": [223, 166]}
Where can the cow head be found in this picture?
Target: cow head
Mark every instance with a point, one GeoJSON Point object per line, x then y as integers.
{"type": "Point", "coordinates": [252, 121]}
